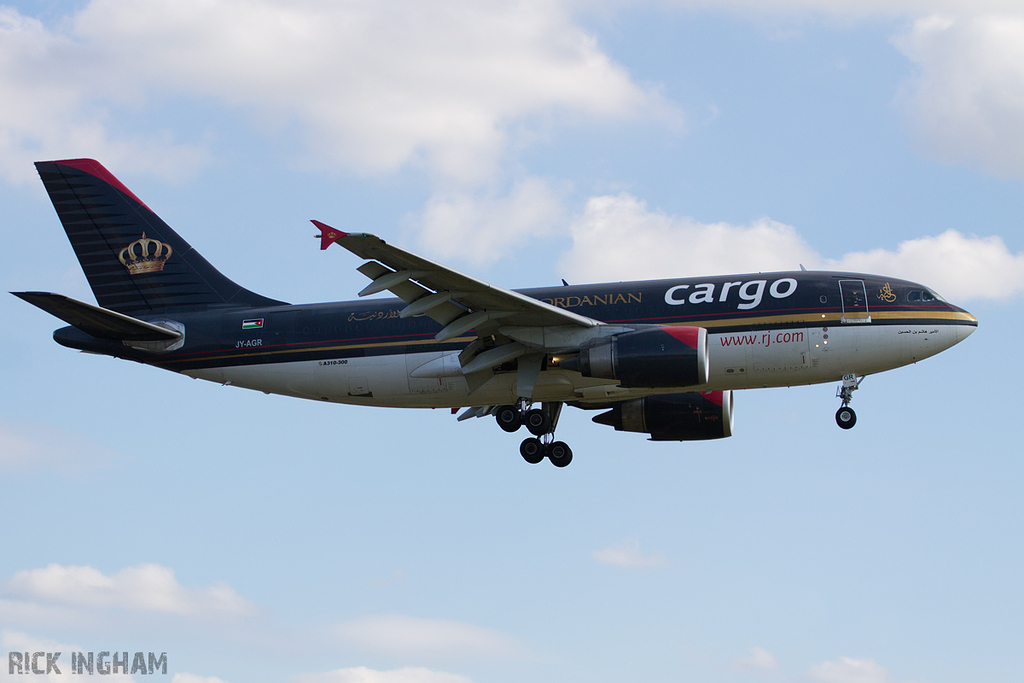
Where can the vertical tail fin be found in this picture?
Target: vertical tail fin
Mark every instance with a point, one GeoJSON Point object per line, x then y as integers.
{"type": "Point", "coordinates": [134, 262]}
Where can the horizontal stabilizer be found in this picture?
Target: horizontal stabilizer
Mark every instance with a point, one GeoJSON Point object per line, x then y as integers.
{"type": "Point", "coordinates": [99, 322]}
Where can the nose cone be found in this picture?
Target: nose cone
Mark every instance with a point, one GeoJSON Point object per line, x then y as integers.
{"type": "Point", "coordinates": [966, 326]}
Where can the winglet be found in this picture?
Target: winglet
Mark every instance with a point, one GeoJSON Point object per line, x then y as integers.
{"type": "Point", "coordinates": [328, 235]}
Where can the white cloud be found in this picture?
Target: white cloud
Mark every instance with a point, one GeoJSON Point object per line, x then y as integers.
{"type": "Point", "coordinates": [53, 95]}
{"type": "Point", "coordinates": [967, 102]}
{"type": "Point", "coordinates": [628, 555]}
{"type": "Point", "coordinates": [850, 670]}
{"type": "Point", "coordinates": [760, 660]}
{"type": "Point", "coordinates": [855, 9]}
{"type": "Point", "coordinates": [374, 84]}
{"type": "Point", "coordinates": [45, 448]}
{"type": "Point", "coordinates": [618, 237]}
{"type": "Point", "coordinates": [363, 675]}
{"type": "Point", "coordinates": [192, 678]}
{"type": "Point", "coordinates": [482, 229]}
{"type": "Point", "coordinates": [957, 266]}
{"type": "Point", "coordinates": [415, 637]}
{"type": "Point", "coordinates": [145, 587]}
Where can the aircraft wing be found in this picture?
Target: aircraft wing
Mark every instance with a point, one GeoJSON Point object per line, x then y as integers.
{"type": "Point", "coordinates": [508, 326]}
{"type": "Point", "coordinates": [459, 302]}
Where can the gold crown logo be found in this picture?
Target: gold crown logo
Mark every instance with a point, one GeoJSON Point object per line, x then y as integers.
{"type": "Point", "coordinates": [145, 255]}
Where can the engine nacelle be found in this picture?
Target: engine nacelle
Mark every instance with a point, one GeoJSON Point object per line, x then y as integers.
{"type": "Point", "coordinates": [656, 356]}
{"type": "Point", "coordinates": [692, 416]}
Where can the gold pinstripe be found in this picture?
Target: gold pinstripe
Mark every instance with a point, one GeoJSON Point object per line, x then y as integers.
{"type": "Point", "coordinates": [830, 318]}
{"type": "Point", "coordinates": [339, 347]}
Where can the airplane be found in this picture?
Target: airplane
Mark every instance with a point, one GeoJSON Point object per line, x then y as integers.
{"type": "Point", "coordinates": [658, 357]}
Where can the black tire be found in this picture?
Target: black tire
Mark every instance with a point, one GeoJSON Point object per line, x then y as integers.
{"type": "Point", "coordinates": [538, 422]}
{"type": "Point", "coordinates": [559, 454]}
{"type": "Point", "coordinates": [532, 450]}
{"type": "Point", "coordinates": [508, 418]}
{"type": "Point", "coordinates": [846, 418]}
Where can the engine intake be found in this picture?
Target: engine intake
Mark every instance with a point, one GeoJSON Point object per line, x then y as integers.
{"type": "Point", "coordinates": [657, 356]}
{"type": "Point", "coordinates": [692, 416]}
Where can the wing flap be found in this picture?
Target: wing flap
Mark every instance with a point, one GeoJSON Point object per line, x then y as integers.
{"type": "Point", "coordinates": [443, 311]}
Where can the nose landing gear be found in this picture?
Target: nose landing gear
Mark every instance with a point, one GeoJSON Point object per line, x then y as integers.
{"type": "Point", "coordinates": [541, 422]}
{"type": "Point", "coordinates": [845, 417]}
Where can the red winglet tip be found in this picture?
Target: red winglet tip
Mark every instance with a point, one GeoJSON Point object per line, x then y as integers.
{"type": "Point", "coordinates": [328, 235]}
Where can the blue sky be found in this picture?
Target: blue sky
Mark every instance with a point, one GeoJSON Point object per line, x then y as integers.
{"type": "Point", "coordinates": [262, 538]}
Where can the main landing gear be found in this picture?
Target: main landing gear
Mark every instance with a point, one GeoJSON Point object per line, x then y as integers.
{"type": "Point", "coordinates": [845, 417]}
{"type": "Point", "coordinates": [541, 423]}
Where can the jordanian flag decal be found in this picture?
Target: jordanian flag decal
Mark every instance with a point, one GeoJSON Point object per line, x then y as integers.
{"type": "Point", "coordinates": [252, 324]}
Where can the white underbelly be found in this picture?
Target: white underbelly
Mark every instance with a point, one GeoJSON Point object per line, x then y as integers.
{"type": "Point", "coordinates": [739, 360]}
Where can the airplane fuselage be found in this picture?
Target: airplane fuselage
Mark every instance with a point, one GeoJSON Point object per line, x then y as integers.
{"type": "Point", "coordinates": [764, 330]}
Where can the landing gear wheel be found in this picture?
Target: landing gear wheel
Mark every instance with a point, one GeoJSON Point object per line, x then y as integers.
{"type": "Point", "coordinates": [532, 450]}
{"type": "Point", "coordinates": [508, 418]}
{"type": "Point", "coordinates": [538, 422]}
{"type": "Point", "coordinates": [559, 454]}
{"type": "Point", "coordinates": [846, 418]}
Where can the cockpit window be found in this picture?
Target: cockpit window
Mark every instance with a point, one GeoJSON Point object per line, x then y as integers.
{"type": "Point", "coordinates": [924, 296]}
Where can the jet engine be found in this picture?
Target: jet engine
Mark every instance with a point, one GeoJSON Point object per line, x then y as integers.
{"type": "Point", "coordinates": [656, 356]}
{"type": "Point", "coordinates": [692, 416]}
